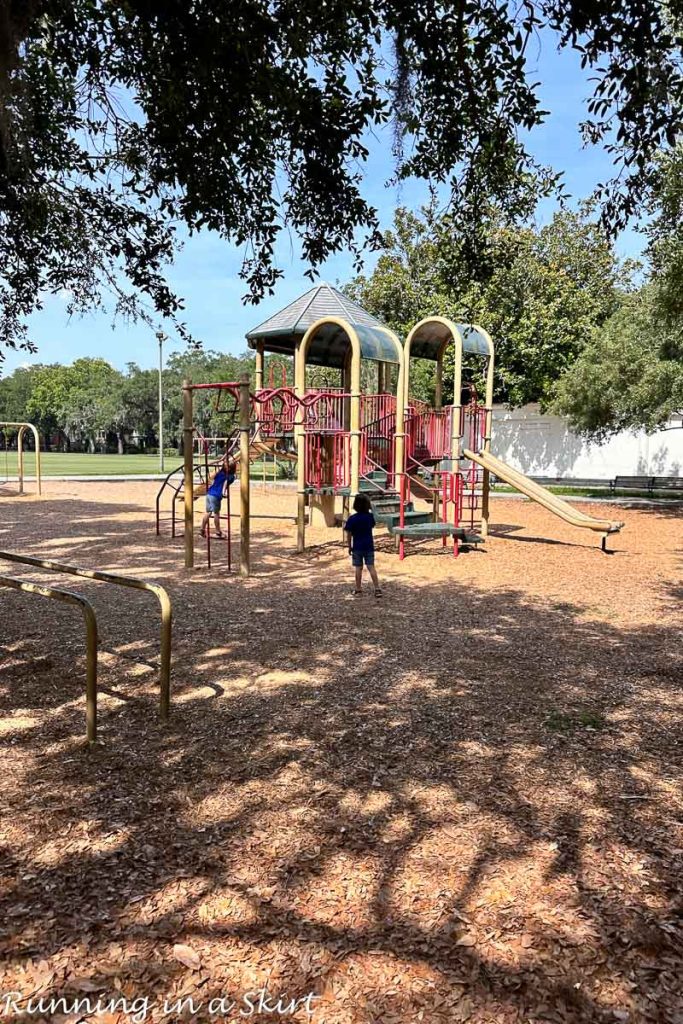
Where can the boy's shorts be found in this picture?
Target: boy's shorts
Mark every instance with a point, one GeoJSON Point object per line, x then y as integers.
{"type": "Point", "coordinates": [213, 504]}
{"type": "Point", "coordinates": [358, 557]}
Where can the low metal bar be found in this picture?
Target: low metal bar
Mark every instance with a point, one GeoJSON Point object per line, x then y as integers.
{"type": "Point", "coordinates": [123, 581]}
{"type": "Point", "coordinates": [66, 597]}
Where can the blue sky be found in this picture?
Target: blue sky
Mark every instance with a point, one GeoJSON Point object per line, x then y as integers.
{"type": "Point", "coordinates": [206, 271]}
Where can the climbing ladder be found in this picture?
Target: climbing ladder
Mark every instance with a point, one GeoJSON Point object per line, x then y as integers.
{"type": "Point", "coordinates": [452, 485]}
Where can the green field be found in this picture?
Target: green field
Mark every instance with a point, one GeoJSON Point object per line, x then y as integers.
{"type": "Point", "coordinates": [69, 464]}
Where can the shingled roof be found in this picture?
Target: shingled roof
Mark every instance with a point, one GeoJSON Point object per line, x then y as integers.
{"type": "Point", "coordinates": [282, 331]}
{"type": "Point", "coordinates": [323, 300]}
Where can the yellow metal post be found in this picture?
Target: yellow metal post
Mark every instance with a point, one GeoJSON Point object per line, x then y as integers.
{"type": "Point", "coordinates": [456, 426]}
{"type": "Point", "coordinates": [188, 469]}
{"type": "Point", "coordinates": [259, 366]}
{"type": "Point", "coordinates": [245, 425]}
{"type": "Point", "coordinates": [488, 429]}
{"type": "Point", "coordinates": [300, 386]}
{"type": "Point", "coordinates": [438, 387]}
{"type": "Point", "coordinates": [39, 477]}
{"type": "Point", "coordinates": [20, 458]}
{"type": "Point", "coordinates": [355, 419]}
{"type": "Point", "coordinates": [66, 597]}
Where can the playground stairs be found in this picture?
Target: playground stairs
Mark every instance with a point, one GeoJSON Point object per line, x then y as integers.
{"type": "Point", "coordinates": [386, 508]}
{"type": "Point", "coordinates": [386, 505]}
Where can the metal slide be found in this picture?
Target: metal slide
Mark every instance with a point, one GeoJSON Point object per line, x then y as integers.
{"type": "Point", "coordinates": [532, 490]}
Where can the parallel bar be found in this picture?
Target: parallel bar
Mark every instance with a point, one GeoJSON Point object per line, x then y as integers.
{"type": "Point", "coordinates": [123, 581]}
{"type": "Point", "coordinates": [66, 597]}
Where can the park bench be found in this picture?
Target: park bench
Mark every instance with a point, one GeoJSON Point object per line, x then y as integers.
{"type": "Point", "coordinates": [632, 483]}
{"type": "Point", "coordinates": [667, 483]}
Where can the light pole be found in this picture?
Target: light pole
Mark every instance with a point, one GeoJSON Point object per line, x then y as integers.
{"type": "Point", "coordinates": [160, 338]}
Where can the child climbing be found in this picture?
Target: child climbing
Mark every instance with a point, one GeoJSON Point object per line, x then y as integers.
{"type": "Point", "coordinates": [214, 496]}
{"type": "Point", "coordinates": [361, 542]}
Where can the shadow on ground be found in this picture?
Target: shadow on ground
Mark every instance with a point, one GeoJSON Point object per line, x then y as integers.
{"type": "Point", "coordinates": [459, 802]}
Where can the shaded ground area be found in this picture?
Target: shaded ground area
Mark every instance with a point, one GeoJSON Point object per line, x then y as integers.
{"type": "Point", "coordinates": [462, 803]}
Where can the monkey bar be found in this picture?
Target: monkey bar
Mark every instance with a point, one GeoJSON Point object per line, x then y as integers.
{"type": "Point", "coordinates": [21, 427]}
{"type": "Point", "coordinates": [122, 581]}
{"type": "Point", "coordinates": [66, 597]}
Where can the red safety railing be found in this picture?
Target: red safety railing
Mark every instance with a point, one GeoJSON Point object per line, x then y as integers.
{"type": "Point", "coordinates": [376, 409]}
{"type": "Point", "coordinates": [473, 428]}
{"type": "Point", "coordinates": [473, 425]}
{"type": "Point", "coordinates": [451, 498]}
{"type": "Point", "coordinates": [325, 411]}
{"type": "Point", "coordinates": [327, 460]}
{"type": "Point", "coordinates": [274, 410]}
{"type": "Point", "coordinates": [428, 433]}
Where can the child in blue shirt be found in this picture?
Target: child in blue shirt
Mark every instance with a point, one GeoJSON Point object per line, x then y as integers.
{"type": "Point", "coordinates": [361, 542]}
{"type": "Point", "coordinates": [214, 496]}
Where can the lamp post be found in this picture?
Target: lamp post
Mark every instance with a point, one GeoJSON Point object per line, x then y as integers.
{"type": "Point", "coordinates": [160, 338]}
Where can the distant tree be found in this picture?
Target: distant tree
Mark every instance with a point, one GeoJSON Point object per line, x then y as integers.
{"type": "Point", "coordinates": [627, 376]}
{"type": "Point", "coordinates": [140, 399]}
{"type": "Point", "coordinates": [665, 236]}
{"type": "Point", "coordinates": [631, 373]}
{"type": "Point", "coordinates": [120, 120]}
{"type": "Point", "coordinates": [83, 399]}
{"type": "Point", "coordinates": [46, 401]}
{"type": "Point", "coordinates": [539, 292]}
{"type": "Point", "coordinates": [15, 391]}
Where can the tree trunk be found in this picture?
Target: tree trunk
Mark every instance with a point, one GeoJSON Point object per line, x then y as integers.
{"type": "Point", "coordinates": [119, 441]}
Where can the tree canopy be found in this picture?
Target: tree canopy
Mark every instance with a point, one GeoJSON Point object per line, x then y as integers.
{"type": "Point", "coordinates": [624, 378]}
{"type": "Point", "coordinates": [120, 121]}
{"type": "Point", "coordinates": [630, 375]}
{"type": "Point", "coordinates": [540, 293]}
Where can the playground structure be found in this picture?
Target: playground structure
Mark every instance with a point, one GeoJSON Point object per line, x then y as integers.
{"type": "Point", "coordinates": [381, 441]}
{"type": "Point", "coordinates": [90, 619]}
{"type": "Point", "coordinates": [21, 429]}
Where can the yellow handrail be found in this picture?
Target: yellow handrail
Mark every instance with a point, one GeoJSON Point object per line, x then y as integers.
{"type": "Point", "coordinates": [123, 581]}
{"type": "Point", "coordinates": [91, 641]}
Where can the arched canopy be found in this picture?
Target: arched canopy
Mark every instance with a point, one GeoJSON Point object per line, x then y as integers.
{"type": "Point", "coordinates": [327, 307]}
{"type": "Point", "coordinates": [329, 343]}
{"type": "Point", "coordinates": [429, 338]}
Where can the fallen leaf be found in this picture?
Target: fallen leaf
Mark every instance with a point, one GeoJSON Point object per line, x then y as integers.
{"type": "Point", "coordinates": [187, 956]}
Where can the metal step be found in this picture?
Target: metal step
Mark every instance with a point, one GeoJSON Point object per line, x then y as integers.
{"type": "Point", "coordinates": [392, 519]}
{"type": "Point", "coordinates": [436, 530]}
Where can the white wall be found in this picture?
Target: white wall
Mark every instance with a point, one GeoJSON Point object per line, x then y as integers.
{"type": "Point", "coordinates": [544, 446]}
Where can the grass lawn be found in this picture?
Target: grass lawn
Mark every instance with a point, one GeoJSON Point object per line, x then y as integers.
{"type": "Point", "coordinates": [77, 464]}
{"type": "Point", "coordinates": [592, 492]}
{"type": "Point", "coordinates": [70, 464]}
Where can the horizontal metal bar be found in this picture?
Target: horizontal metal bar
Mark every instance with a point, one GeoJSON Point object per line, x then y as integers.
{"type": "Point", "coordinates": [67, 597]}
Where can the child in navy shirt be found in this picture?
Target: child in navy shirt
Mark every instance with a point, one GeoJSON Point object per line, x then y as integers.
{"type": "Point", "coordinates": [361, 543]}
{"type": "Point", "coordinates": [214, 496]}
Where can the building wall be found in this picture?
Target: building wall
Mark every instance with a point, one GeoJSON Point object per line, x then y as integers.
{"type": "Point", "coordinates": [540, 445]}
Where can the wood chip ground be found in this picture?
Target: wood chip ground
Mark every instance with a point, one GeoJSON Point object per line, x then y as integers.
{"type": "Point", "coordinates": [459, 803]}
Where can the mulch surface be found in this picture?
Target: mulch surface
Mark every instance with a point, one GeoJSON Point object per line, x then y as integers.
{"type": "Point", "coordinates": [459, 803]}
